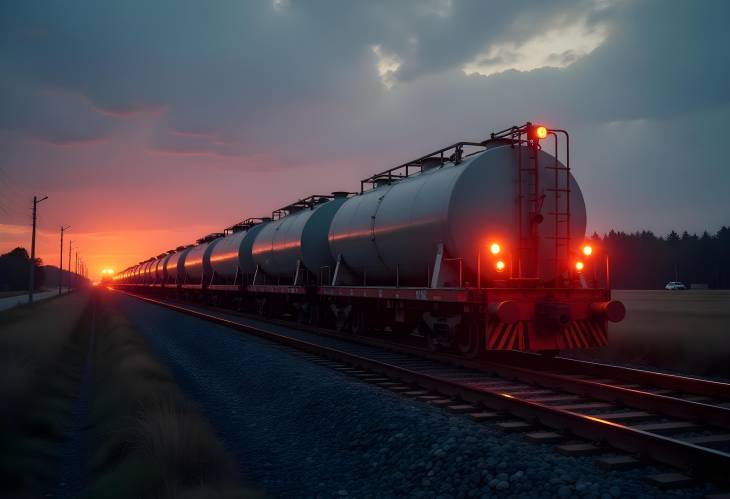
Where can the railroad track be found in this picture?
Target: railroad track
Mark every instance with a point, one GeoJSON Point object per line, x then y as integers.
{"type": "Point", "coordinates": [675, 420]}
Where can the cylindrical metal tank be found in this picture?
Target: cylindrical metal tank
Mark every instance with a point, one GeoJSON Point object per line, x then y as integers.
{"type": "Point", "coordinates": [136, 276]}
{"type": "Point", "coordinates": [175, 266]}
{"type": "Point", "coordinates": [234, 252]}
{"type": "Point", "coordinates": [197, 263]}
{"type": "Point", "coordinates": [463, 206]}
{"type": "Point", "coordinates": [159, 273]}
{"type": "Point", "coordinates": [301, 235]}
{"type": "Point", "coordinates": [148, 276]}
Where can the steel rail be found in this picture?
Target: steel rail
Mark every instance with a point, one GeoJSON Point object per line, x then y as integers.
{"type": "Point", "coordinates": [699, 461]}
{"type": "Point", "coordinates": [675, 382]}
{"type": "Point", "coordinates": [509, 365]}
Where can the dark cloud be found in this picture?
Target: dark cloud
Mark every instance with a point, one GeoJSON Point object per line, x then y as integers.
{"type": "Point", "coordinates": [291, 81]}
{"type": "Point", "coordinates": [50, 115]}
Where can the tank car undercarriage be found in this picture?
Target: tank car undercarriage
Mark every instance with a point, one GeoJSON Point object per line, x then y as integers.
{"type": "Point", "coordinates": [459, 320]}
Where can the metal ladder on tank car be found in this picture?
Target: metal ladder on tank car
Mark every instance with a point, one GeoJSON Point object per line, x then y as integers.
{"type": "Point", "coordinates": [561, 210]}
{"type": "Point", "coordinates": [529, 198]}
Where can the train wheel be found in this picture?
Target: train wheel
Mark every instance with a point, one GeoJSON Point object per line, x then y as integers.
{"type": "Point", "coordinates": [469, 339]}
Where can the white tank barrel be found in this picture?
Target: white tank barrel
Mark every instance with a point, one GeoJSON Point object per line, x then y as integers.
{"type": "Point", "coordinates": [149, 274]}
{"type": "Point", "coordinates": [175, 266]}
{"type": "Point", "coordinates": [234, 252]}
{"type": "Point", "coordinates": [138, 276]}
{"type": "Point", "coordinates": [197, 262]}
{"type": "Point", "coordinates": [299, 236]}
{"type": "Point", "coordinates": [160, 269]}
{"type": "Point", "coordinates": [397, 228]}
{"type": "Point", "coordinates": [224, 258]}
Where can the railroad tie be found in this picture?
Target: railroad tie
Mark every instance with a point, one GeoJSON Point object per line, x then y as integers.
{"type": "Point", "coordinates": [709, 439]}
{"type": "Point", "coordinates": [461, 408]}
{"type": "Point", "coordinates": [545, 437]}
{"type": "Point", "coordinates": [415, 393]}
{"type": "Point", "coordinates": [580, 449]}
{"type": "Point", "coordinates": [442, 402]}
{"type": "Point", "coordinates": [611, 463]}
{"type": "Point", "coordinates": [426, 398]}
{"type": "Point", "coordinates": [481, 417]}
{"type": "Point", "coordinates": [676, 426]}
{"type": "Point", "coordinates": [670, 480]}
{"type": "Point", "coordinates": [516, 426]}
{"type": "Point", "coordinates": [399, 388]}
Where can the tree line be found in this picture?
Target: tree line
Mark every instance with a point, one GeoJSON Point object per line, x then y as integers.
{"type": "Point", "coordinates": [15, 271]}
{"type": "Point", "coordinates": [643, 260]}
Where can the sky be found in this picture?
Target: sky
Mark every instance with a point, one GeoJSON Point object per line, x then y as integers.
{"type": "Point", "coordinates": [151, 124]}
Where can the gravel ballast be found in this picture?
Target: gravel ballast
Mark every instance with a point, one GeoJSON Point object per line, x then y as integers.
{"type": "Point", "coordinates": [303, 430]}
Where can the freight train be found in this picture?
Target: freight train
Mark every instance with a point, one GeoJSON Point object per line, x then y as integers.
{"type": "Point", "coordinates": [477, 246]}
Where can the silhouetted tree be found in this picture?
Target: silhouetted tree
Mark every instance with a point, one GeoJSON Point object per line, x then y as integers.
{"type": "Point", "coordinates": [14, 268]}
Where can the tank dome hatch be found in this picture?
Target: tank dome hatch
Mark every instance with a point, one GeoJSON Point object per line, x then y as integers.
{"type": "Point", "coordinates": [497, 142]}
{"type": "Point", "coordinates": [307, 203]}
{"type": "Point", "coordinates": [245, 225]}
{"type": "Point", "coordinates": [210, 237]}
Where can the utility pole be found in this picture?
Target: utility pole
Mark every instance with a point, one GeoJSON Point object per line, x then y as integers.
{"type": "Point", "coordinates": [76, 267]}
{"type": "Point", "coordinates": [70, 278]}
{"type": "Point", "coordinates": [60, 261]}
{"type": "Point", "coordinates": [31, 284]}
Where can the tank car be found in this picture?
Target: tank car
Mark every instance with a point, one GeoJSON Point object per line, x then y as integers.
{"type": "Point", "coordinates": [295, 244]}
{"type": "Point", "coordinates": [231, 260]}
{"type": "Point", "coordinates": [197, 268]}
{"type": "Point", "coordinates": [477, 246]}
{"type": "Point", "coordinates": [175, 266]}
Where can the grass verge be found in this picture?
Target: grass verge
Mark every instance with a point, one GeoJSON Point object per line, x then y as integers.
{"type": "Point", "coordinates": [151, 441]}
{"type": "Point", "coordinates": [144, 438]}
{"type": "Point", "coordinates": [40, 361]}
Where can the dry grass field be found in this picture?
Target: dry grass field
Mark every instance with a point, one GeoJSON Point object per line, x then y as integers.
{"type": "Point", "coordinates": [131, 433]}
{"type": "Point", "coordinates": [686, 331]}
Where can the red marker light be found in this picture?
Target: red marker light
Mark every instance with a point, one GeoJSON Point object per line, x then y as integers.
{"type": "Point", "coordinates": [495, 248]}
{"type": "Point", "coordinates": [587, 250]}
{"type": "Point", "coordinates": [541, 132]}
{"type": "Point", "coordinates": [500, 266]}
{"type": "Point", "coordinates": [579, 266]}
